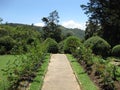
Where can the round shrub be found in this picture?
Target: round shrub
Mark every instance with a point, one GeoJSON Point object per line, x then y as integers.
{"type": "Point", "coordinates": [51, 45]}
{"type": "Point", "coordinates": [98, 45]}
{"type": "Point", "coordinates": [7, 43]}
{"type": "Point", "coordinates": [116, 51]}
{"type": "Point", "coordinates": [71, 44]}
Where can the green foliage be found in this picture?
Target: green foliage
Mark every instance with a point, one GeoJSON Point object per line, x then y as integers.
{"type": "Point", "coordinates": [116, 51]}
{"type": "Point", "coordinates": [51, 45]}
{"type": "Point", "coordinates": [2, 50]}
{"type": "Point", "coordinates": [85, 54]}
{"type": "Point", "coordinates": [4, 59]}
{"type": "Point", "coordinates": [101, 12]}
{"type": "Point", "coordinates": [91, 29]}
{"type": "Point", "coordinates": [61, 46]}
{"type": "Point", "coordinates": [82, 77]}
{"type": "Point", "coordinates": [72, 32]}
{"type": "Point", "coordinates": [71, 44]}
{"type": "Point", "coordinates": [107, 72]}
{"type": "Point", "coordinates": [15, 38]}
{"type": "Point", "coordinates": [38, 81]}
{"type": "Point", "coordinates": [25, 66]}
{"type": "Point", "coordinates": [21, 39]}
{"type": "Point", "coordinates": [98, 66]}
{"type": "Point", "coordinates": [107, 78]}
{"type": "Point", "coordinates": [3, 32]}
{"type": "Point", "coordinates": [98, 45]}
{"type": "Point", "coordinates": [6, 44]}
{"type": "Point", "coordinates": [51, 29]}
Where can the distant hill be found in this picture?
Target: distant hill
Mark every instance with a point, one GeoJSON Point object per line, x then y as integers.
{"type": "Point", "coordinates": [15, 25]}
{"type": "Point", "coordinates": [76, 32]}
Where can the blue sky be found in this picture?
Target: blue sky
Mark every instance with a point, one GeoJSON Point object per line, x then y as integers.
{"type": "Point", "coordinates": [32, 11]}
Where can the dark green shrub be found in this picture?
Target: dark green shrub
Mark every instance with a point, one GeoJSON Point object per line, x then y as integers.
{"type": "Point", "coordinates": [51, 45]}
{"type": "Point", "coordinates": [61, 46]}
{"type": "Point", "coordinates": [7, 42]}
{"type": "Point", "coordinates": [71, 44]}
{"type": "Point", "coordinates": [116, 51]}
{"type": "Point", "coordinates": [2, 50]}
{"type": "Point", "coordinates": [3, 32]}
{"type": "Point", "coordinates": [30, 40]}
{"type": "Point", "coordinates": [98, 45]}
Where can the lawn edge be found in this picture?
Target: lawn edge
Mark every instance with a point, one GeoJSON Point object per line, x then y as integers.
{"type": "Point", "coordinates": [43, 76]}
{"type": "Point", "coordinates": [76, 74]}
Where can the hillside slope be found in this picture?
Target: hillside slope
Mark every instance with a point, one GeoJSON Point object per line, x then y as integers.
{"type": "Point", "coordinates": [76, 32]}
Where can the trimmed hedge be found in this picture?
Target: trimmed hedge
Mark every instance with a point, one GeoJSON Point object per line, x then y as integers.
{"type": "Point", "coordinates": [51, 45]}
{"type": "Point", "coordinates": [98, 45]}
{"type": "Point", "coordinates": [71, 44]}
{"type": "Point", "coordinates": [116, 51]}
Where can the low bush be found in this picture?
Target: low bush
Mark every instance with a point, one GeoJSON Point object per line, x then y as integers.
{"type": "Point", "coordinates": [71, 44]}
{"type": "Point", "coordinates": [51, 45]}
{"type": "Point", "coordinates": [98, 45]}
{"type": "Point", "coordinates": [24, 67]}
{"type": "Point", "coordinates": [116, 51]}
{"type": "Point", "coordinates": [84, 54]}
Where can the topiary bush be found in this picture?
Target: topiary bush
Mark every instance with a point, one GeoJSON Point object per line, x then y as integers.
{"type": "Point", "coordinates": [71, 44]}
{"type": "Point", "coordinates": [98, 45]}
{"type": "Point", "coordinates": [51, 45]}
{"type": "Point", "coordinates": [116, 51]}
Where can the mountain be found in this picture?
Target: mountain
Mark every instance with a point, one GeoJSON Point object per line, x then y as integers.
{"type": "Point", "coordinates": [75, 32]}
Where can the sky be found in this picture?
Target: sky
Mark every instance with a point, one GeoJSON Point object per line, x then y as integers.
{"type": "Point", "coordinates": [32, 11]}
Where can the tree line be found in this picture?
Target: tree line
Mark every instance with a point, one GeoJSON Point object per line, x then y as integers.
{"type": "Point", "coordinates": [104, 20]}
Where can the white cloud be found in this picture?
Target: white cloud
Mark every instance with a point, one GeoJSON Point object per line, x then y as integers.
{"type": "Point", "coordinates": [67, 24]}
{"type": "Point", "coordinates": [73, 24]}
{"type": "Point", "coordinates": [39, 24]}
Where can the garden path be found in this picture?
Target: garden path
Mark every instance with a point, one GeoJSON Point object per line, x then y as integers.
{"type": "Point", "coordinates": [60, 75]}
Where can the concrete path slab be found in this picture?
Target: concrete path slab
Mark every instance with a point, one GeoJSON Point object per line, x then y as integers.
{"type": "Point", "coordinates": [60, 75]}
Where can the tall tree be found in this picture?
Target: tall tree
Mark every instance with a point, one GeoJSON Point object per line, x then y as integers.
{"type": "Point", "coordinates": [92, 29]}
{"type": "Point", "coordinates": [107, 14]}
{"type": "Point", "coordinates": [51, 28]}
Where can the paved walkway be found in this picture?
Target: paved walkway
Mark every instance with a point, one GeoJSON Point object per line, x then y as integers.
{"type": "Point", "coordinates": [60, 75]}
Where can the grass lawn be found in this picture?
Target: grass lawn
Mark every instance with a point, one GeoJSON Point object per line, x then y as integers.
{"type": "Point", "coordinates": [83, 78]}
{"type": "Point", "coordinates": [38, 81]}
{"type": "Point", "coordinates": [3, 60]}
